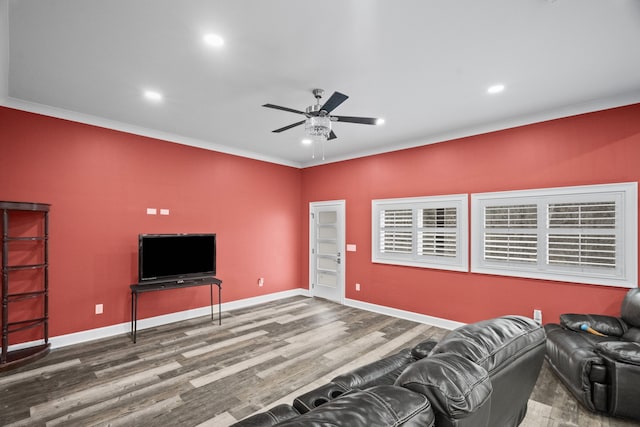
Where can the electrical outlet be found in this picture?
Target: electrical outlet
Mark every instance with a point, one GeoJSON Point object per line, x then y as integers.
{"type": "Point", "coordinates": [261, 281]}
{"type": "Point", "coordinates": [99, 308]}
{"type": "Point", "coordinates": [537, 316]}
{"type": "Point", "coordinates": [357, 286]}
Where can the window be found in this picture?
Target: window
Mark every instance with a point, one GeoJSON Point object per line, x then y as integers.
{"type": "Point", "coordinates": [426, 232]}
{"type": "Point", "coordinates": [575, 234]}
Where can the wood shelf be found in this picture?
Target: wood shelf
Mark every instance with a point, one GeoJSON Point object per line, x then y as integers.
{"type": "Point", "coordinates": [39, 306]}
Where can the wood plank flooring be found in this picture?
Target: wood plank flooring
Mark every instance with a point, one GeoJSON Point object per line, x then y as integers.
{"type": "Point", "coordinates": [197, 373]}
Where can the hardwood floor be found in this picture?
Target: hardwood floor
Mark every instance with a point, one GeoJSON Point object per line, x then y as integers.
{"type": "Point", "coordinates": [196, 373]}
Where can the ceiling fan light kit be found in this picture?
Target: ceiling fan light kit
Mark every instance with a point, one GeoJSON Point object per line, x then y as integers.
{"type": "Point", "coordinates": [318, 120]}
{"type": "Point", "coordinates": [318, 127]}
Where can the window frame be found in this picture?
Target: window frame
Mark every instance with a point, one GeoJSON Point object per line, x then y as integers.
{"type": "Point", "coordinates": [625, 195]}
{"type": "Point", "coordinates": [459, 262]}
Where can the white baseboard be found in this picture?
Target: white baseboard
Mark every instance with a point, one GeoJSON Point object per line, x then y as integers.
{"type": "Point", "coordinates": [403, 314]}
{"type": "Point", "coordinates": [125, 328]}
{"type": "Point", "coordinates": [151, 322]}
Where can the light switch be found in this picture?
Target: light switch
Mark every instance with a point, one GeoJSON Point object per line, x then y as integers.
{"type": "Point", "coordinates": [152, 211]}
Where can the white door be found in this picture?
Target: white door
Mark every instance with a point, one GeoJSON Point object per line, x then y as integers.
{"type": "Point", "coordinates": [326, 254]}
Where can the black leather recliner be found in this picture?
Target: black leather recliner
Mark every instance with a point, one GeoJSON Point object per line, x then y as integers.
{"type": "Point", "coordinates": [479, 375]}
{"type": "Point", "coordinates": [602, 372]}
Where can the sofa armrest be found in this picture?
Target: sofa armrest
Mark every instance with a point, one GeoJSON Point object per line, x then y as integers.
{"type": "Point", "coordinates": [423, 349]}
{"type": "Point", "coordinates": [623, 364]}
{"type": "Point", "coordinates": [380, 406]}
{"type": "Point", "coordinates": [269, 418]}
{"type": "Point", "coordinates": [318, 396]}
{"type": "Point", "coordinates": [607, 325]}
{"type": "Point", "coordinates": [381, 372]}
{"type": "Point", "coordinates": [632, 334]}
{"type": "Point", "coordinates": [620, 351]}
{"type": "Point", "coordinates": [456, 387]}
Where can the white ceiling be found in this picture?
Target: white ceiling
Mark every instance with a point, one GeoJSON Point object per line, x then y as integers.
{"type": "Point", "coordinates": [422, 65]}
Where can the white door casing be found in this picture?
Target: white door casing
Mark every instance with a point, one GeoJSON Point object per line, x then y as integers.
{"type": "Point", "coordinates": [326, 250]}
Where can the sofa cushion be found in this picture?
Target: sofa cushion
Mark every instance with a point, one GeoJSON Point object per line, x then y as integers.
{"type": "Point", "coordinates": [574, 359]}
{"type": "Point", "coordinates": [380, 406]}
{"type": "Point", "coordinates": [493, 343]}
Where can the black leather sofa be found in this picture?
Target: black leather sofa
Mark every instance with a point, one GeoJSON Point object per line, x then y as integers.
{"type": "Point", "coordinates": [480, 374]}
{"type": "Point", "coordinates": [602, 372]}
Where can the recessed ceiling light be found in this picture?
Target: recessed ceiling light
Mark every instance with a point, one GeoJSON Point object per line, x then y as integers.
{"type": "Point", "coordinates": [213, 40]}
{"type": "Point", "coordinates": [495, 88]}
{"type": "Point", "coordinates": [152, 95]}
{"type": "Point", "coordinates": [379, 122]}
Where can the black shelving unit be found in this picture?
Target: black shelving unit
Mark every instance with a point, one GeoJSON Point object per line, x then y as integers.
{"type": "Point", "coordinates": [33, 216]}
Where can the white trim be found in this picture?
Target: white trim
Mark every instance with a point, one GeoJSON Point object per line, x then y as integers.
{"type": "Point", "coordinates": [342, 218]}
{"type": "Point", "coordinates": [403, 314]}
{"type": "Point", "coordinates": [621, 100]}
{"type": "Point", "coordinates": [125, 328]}
{"type": "Point", "coordinates": [74, 116]}
{"type": "Point", "coordinates": [590, 106]}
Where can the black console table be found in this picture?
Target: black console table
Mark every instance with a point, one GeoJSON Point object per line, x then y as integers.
{"type": "Point", "coordinates": [138, 288]}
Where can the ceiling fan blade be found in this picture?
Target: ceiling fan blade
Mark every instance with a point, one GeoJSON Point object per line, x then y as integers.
{"type": "Point", "coordinates": [336, 99]}
{"type": "Point", "coordinates": [332, 135]}
{"type": "Point", "coordinates": [289, 127]}
{"type": "Point", "coordinates": [291, 110]}
{"type": "Point", "coordinates": [360, 120]}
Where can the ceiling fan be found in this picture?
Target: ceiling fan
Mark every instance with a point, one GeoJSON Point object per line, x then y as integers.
{"type": "Point", "coordinates": [318, 120]}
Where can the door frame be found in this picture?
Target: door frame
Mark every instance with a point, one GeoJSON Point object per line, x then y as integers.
{"type": "Point", "coordinates": [341, 211]}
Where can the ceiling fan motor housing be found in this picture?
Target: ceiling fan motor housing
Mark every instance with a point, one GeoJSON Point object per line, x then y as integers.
{"type": "Point", "coordinates": [318, 93]}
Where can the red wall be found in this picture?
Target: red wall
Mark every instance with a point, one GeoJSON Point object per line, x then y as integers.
{"type": "Point", "coordinates": [595, 148]}
{"type": "Point", "coordinates": [100, 183]}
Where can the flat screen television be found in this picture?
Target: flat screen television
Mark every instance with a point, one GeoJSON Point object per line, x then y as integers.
{"type": "Point", "coordinates": [176, 256]}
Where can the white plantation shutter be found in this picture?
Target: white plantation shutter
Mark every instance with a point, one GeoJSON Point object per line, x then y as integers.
{"type": "Point", "coordinates": [583, 250]}
{"type": "Point", "coordinates": [577, 234]}
{"type": "Point", "coordinates": [396, 227]}
{"type": "Point", "coordinates": [437, 231]}
{"type": "Point", "coordinates": [421, 232]}
{"type": "Point", "coordinates": [583, 234]}
{"type": "Point", "coordinates": [583, 215]}
{"type": "Point", "coordinates": [511, 247]}
{"type": "Point", "coordinates": [511, 234]}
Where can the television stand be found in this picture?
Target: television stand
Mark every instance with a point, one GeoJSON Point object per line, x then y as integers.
{"type": "Point", "coordinates": [138, 288]}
